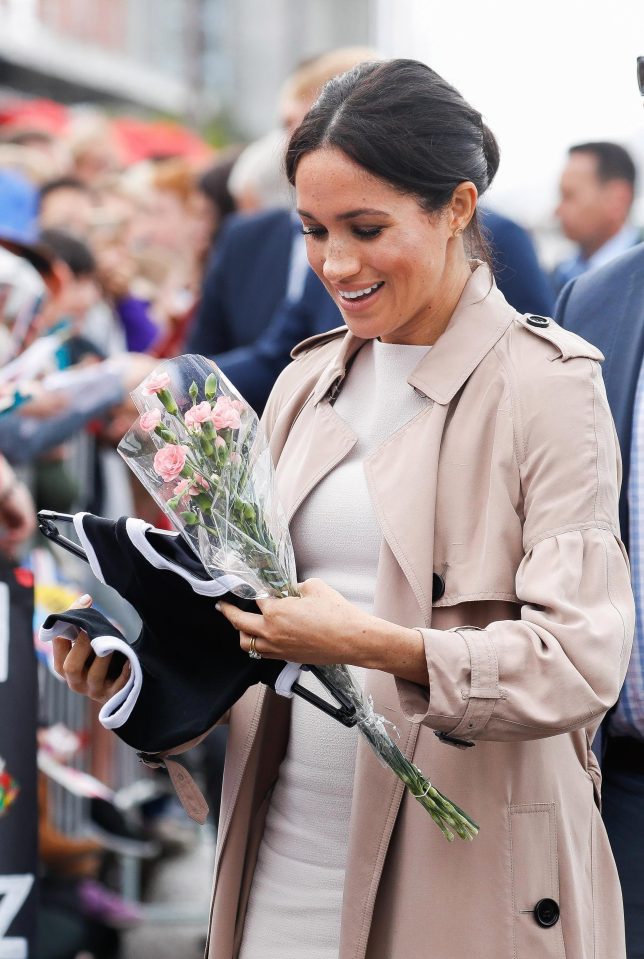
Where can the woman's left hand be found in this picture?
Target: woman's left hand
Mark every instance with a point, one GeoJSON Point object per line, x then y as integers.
{"type": "Point", "coordinates": [318, 627]}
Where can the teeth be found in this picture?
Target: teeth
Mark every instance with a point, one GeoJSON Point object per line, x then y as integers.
{"type": "Point", "coordinates": [355, 294]}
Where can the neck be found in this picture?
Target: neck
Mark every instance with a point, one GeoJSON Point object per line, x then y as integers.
{"type": "Point", "coordinates": [433, 322]}
{"type": "Point", "coordinates": [596, 243]}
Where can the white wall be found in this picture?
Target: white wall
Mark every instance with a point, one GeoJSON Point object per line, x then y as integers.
{"type": "Point", "coordinates": [545, 75]}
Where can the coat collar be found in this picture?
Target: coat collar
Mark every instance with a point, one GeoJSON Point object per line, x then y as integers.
{"type": "Point", "coordinates": [481, 317]}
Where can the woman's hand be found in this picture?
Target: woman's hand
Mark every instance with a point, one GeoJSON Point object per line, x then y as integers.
{"type": "Point", "coordinates": [321, 627]}
{"type": "Point", "coordinates": [84, 672]}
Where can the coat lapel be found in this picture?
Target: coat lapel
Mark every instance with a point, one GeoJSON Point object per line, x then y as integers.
{"type": "Point", "coordinates": [402, 476]}
{"type": "Point", "coordinates": [319, 442]}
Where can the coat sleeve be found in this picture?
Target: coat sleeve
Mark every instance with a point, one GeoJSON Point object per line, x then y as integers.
{"type": "Point", "coordinates": [560, 665]}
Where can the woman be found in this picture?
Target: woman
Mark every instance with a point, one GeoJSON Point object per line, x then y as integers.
{"type": "Point", "coordinates": [450, 473]}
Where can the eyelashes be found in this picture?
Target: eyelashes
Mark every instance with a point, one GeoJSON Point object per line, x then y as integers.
{"type": "Point", "coordinates": [361, 232]}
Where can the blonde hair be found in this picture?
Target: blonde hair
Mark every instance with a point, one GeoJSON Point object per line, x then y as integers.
{"type": "Point", "coordinates": [307, 80]}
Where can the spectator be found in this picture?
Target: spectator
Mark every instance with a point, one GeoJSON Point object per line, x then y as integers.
{"type": "Point", "coordinates": [75, 268]}
{"type": "Point", "coordinates": [257, 180]}
{"type": "Point", "coordinates": [607, 308]}
{"type": "Point", "coordinates": [517, 271]}
{"type": "Point", "coordinates": [597, 189]}
{"type": "Point", "coordinates": [212, 185]}
{"type": "Point", "coordinates": [259, 284]}
{"type": "Point", "coordinates": [66, 203]}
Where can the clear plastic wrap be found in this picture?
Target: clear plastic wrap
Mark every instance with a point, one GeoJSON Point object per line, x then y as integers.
{"type": "Point", "coordinates": [197, 447]}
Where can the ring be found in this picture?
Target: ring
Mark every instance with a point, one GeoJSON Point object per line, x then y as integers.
{"type": "Point", "coordinates": [252, 651]}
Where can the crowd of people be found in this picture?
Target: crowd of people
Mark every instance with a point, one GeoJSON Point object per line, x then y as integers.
{"type": "Point", "coordinates": [108, 267]}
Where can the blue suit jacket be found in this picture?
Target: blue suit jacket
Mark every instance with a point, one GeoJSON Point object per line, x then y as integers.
{"type": "Point", "coordinates": [606, 307]}
{"type": "Point", "coordinates": [245, 282]}
{"type": "Point", "coordinates": [516, 267]}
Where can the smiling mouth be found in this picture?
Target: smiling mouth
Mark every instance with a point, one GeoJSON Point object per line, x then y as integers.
{"type": "Point", "coordinates": [353, 295]}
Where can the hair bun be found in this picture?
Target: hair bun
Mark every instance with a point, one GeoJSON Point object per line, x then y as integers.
{"type": "Point", "coordinates": [491, 152]}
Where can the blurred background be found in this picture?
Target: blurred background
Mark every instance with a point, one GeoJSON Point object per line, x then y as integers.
{"type": "Point", "coordinates": [144, 213]}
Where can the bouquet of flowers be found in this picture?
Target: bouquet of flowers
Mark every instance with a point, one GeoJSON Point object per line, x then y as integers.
{"type": "Point", "coordinates": [198, 449]}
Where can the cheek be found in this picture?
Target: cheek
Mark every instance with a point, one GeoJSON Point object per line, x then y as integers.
{"type": "Point", "coordinates": [316, 256]}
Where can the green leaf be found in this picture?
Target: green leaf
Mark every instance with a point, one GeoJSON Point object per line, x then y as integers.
{"type": "Point", "coordinates": [190, 519]}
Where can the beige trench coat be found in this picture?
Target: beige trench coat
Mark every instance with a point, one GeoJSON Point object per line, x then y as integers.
{"type": "Point", "coordinates": [507, 486]}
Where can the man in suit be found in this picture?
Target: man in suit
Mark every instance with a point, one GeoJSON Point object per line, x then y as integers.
{"type": "Point", "coordinates": [517, 271]}
{"type": "Point", "coordinates": [606, 307]}
{"type": "Point", "coordinates": [597, 190]}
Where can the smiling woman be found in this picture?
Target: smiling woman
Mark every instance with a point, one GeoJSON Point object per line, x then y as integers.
{"type": "Point", "coordinates": [443, 441]}
{"type": "Point", "coordinates": [449, 472]}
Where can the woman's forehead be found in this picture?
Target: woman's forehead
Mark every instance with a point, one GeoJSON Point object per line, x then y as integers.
{"type": "Point", "coordinates": [327, 179]}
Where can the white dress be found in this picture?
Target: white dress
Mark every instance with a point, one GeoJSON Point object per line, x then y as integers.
{"type": "Point", "coordinates": [296, 896]}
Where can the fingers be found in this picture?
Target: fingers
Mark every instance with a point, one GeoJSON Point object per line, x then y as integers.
{"type": "Point", "coordinates": [76, 663]}
{"type": "Point", "coordinates": [62, 647]}
{"type": "Point", "coordinates": [261, 646]}
{"type": "Point", "coordinates": [251, 623]}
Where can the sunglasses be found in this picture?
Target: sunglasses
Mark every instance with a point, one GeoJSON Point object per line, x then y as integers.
{"type": "Point", "coordinates": [640, 74]}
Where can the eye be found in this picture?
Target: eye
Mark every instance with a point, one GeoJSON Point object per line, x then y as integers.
{"type": "Point", "coordinates": [367, 232]}
{"type": "Point", "coordinates": [313, 231]}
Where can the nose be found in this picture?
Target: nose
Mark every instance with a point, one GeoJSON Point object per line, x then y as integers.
{"type": "Point", "coordinates": [340, 263]}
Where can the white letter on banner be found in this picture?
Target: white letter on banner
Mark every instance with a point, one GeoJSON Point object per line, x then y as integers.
{"type": "Point", "coordinates": [14, 890]}
{"type": "Point", "coordinates": [4, 632]}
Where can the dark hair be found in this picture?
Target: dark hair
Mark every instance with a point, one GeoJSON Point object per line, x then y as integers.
{"type": "Point", "coordinates": [213, 183]}
{"type": "Point", "coordinates": [613, 161]}
{"type": "Point", "coordinates": [61, 183]}
{"type": "Point", "coordinates": [405, 124]}
{"type": "Point", "coordinates": [72, 251]}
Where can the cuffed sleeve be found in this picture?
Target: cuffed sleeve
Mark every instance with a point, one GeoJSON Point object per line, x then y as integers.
{"type": "Point", "coordinates": [557, 668]}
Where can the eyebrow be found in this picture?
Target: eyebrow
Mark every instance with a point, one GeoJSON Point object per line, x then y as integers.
{"type": "Point", "coordinates": [350, 214]}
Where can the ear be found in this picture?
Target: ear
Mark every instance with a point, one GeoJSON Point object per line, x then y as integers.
{"type": "Point", "coordinates": [62, 274]}
{"type": "Point", "coordinates": [462, 206]}
{"type": "Point", "coordinates": [618, 196]}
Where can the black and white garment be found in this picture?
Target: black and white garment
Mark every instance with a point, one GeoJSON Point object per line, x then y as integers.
{"type": "Point", "coordinates": [187, 667]}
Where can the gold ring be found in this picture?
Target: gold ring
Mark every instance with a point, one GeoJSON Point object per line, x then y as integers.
{"type": "Point", "coordinates": [252, 651]}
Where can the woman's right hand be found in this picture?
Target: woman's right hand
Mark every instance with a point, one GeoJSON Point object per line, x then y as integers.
{"type": "Point", "coordinates": [82, 670]}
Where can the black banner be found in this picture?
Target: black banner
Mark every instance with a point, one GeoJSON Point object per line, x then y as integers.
{"type": "Point", "coordinates": [18, 778]}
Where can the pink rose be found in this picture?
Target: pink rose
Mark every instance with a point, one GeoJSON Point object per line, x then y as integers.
{"type": "Point", "coordinates": [156, 383]}
{"type": "Point", "coordinates": [225, 415]}
{"type": "Point", "coordinates": [169, 461]}
{"type": "Point", "coordinates": [150, 420]}
{"type": "Point", "coordinates": [197, 415]}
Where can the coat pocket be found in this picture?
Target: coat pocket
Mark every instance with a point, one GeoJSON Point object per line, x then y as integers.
{"type": "Point", "coordinates": [537, 928]}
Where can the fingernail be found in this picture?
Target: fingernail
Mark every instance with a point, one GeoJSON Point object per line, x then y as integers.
{"type": "Point", "coordinates": [84, 600]}
{"type": "Point", "coordinates": [218, 607]}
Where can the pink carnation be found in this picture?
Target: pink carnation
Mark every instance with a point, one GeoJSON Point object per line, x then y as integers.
{"type": "Point", "coordinates": [156, 383]}
{"type": "Point", "coordinates": [197, 415]}
{"type": "Point", "coordinates": [190, 487]}
{"type": "Point", "coordinates": [182, 488]}
{"type": "Point", "coordinates": [150, 420]}
{"type": "Point", "coordinates": [169, 461]}
{"type": "Point", "coordinates": [219, 442]}
{"type": "Point", "coordinates": [225, 415]}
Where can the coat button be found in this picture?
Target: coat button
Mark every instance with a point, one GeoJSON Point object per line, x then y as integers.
{"type": "Point", "coordinates": [546, 913]}
{"type": "Point", "coordinates": [438, 587]}
{"type": "Point", "coordinates": [540, 321]}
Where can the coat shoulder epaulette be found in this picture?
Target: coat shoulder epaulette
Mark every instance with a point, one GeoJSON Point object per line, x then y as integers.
{"type": "Point", "coordinates": [567, 343]}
